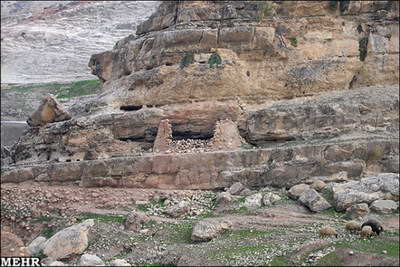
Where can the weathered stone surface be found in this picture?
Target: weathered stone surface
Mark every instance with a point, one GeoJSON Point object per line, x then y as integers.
{"type": "Point", "coordinates": [178, 210]}
{"type": "Point", "coordinates": [318, 185]}
{"type": "Point", "coordinates": [71, 240]}
{"type": "Point", "coordinates": [357, 210]}
{"type": "Point", "coordinates": [57, 263]}
{"type": "Point", "coordinates": [236, 188]}
{"type": "Point", "coordinates": [223, 200]}
{"type": "Point", "coordinates": [135, 220]}
{"type": "Point", "coordinates": [314, 201]}
{"type": "Point", "coordinates": [367, 190]}
{"type": "Point", "coordinates": [119, 262]}
{"type": "Point", "coordinates": [270, 199]}
{"type": "Point", "coordinates": [226, 136]}
{"type": "Point", "coordinates": [49, 111]}
{"type": "Point", "coordinates": [208, 229]}
{"type": "Point", "coordinates": [297, 190]}
{"type": "Point", "coordinates": [37, 245]}
{"type": "Point", "coordinates": [90, 260]}
{"type": "Point", "coordinates": [332, 115]}
{"type": "Point", "coordinates": [384, 206]}
{"type": "Point", "coordinates": [253, 201]}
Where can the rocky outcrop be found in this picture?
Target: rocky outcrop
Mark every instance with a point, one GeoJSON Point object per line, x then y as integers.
{"type": "Point", "coordinates": [208, 229]}
{"type": "Point", "coordinates": [267, 53]}
{"type": "Point", "coordinates": [49, 111]}
{"type": "Point", "coordinates": [71, 240]}
{"type": "Point", "coordinates": [381, 186]}
{"type": "Point", "coordinates": [253, 94]}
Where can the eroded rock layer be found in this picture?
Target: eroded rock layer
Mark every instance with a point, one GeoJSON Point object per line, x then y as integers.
{"type": "Point", "coordinates": [311, 87]}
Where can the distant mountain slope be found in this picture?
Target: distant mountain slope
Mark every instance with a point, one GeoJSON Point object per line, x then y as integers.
{"type": "Point", "coordinates": [53, 40]}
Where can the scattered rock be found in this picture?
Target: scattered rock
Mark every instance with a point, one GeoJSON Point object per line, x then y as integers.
{"type": "Point", "coordinates": [90, 260]}
{"type": "Point", "coordinates": [338, 177]}
{"type": "Point", "coordinates": [49, 111]}
{"type": "Point", "coordinates": [207, 229]}
{"type": "Point", "coordinates": [253, 201]}
{"type": "Point", "coordinates": [314, 201]}
{"type": "Point", "coordinates": [57, 263]}
{"type": "Point", "coordinates": [178, 210]}
{"type": "Point", "coordinates": [236, 188]}
{"type": "Point", "coordinates": [351, 252]}
{"type": "Point", "coordinates": [71, 240]}
{"type": "Point", "coordinates": [270, 199]}
{"type": "Point", "coordinates": [223, 200]}
{"type": "Point", "coordinates": [297, 190]}
{"type": "Point", "coordinates": [37, 245]}
{"type": "Point", "coordinates": [384, 206]}
{"type": "Point", "coordinates": [367, 190]}
{"type": "Point", "coordinates": [135, 220]}
{"type": "Point", "coordinates": [119, 262]}
{"type": "Point", "coordinates": [11, 245]}
{"type": "Point", "coordinates": [357, 210]}
{"type": "Point", "coordinates": [318, 185]}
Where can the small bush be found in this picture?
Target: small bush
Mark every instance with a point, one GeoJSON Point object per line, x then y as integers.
{"type": "Point", "coordinates": [187, 59]}
{"type": "Point", "coordinates": [333, 4]}
{"type": "Point", "coordinates": [215, 59]}
{"type": "Point", "coordinates": [293, 41]}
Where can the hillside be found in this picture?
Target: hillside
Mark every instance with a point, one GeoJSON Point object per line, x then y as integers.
{"type": "Point", "coordinates": [52, 41]}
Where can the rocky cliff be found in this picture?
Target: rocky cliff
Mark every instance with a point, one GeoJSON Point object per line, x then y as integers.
{"type": "Point", "coordinates": [311, 86]}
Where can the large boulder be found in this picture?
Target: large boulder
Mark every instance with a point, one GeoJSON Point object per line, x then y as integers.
{"type": "Point", "coordinates": [37, 245]}
{"type": "Point", "coordinates": [49, 111]}
{"type": "Point", "coordinates": [384, 206]}
{"type": "Point", "coordinates": [253, 201]}
{"type": "Point", "coordinates": [367, 190]}
{"type": "Point", "coordinates": [208, 229]}
{"type": "Point", "coordinates": [90, 260]}
{"type": "Point", "coordinates": [71, 240]}
{"type": "Point", "coordinates": [314, 201]}
{"type": "Point", "coordinates": [357, 210]}
{"type": "Point", "coordinates": [297, 190]}
{"type": "Point", "coordinates": [135, 220]}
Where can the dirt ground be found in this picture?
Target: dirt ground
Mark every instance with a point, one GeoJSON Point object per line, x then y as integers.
{"type": "Point", "coordinates": [283, 234]}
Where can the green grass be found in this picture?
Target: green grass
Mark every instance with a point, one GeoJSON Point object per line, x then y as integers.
{"type": "Point", "coordinates": [43, 219]}
{"type": "Point", "coordinates": [180, 233]}
{"type": "Point", "coordinates": [242, 234]}
{"type": "Point", "coordinates": [48, 232]}
{"type": "Point", "coordinates": [375, 245]}
{"type": "Point", "coordinates": [63, 90]}
{"type": "Point", "coordinates": [278, 261]}
{"type": "Point", "coordinates": [208, 214]}
{"type": "Point", "coordinates": [331, 212]}
{"type": "Point", "coordinates": [330, 259]}
{"type": "Point", "coordinates": [293, 41]}
{"type": "Point", "coordinates": [101, 217]}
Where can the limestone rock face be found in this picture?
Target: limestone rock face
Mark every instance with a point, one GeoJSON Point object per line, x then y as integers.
{"type": "Point", "coordinates": [71, 240]}
{"type": "Point", "coordinates": [381, 186]}
{"type": "Point", "coordinates": [261, 98]}
{"type": "Point", "coordinates": [49, 111]}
